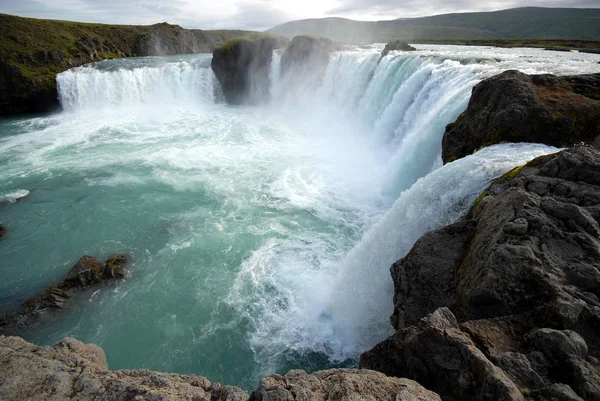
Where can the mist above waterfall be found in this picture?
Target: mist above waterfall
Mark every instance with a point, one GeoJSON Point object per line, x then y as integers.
{"type": "Point", "coordinates": [261, 236]}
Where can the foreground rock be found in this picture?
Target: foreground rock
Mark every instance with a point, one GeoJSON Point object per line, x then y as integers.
{"type": "Point", "coordinates": [515, 107]}
{"type": "Point", "coordinates": [72, 370]}
{"type": "Point", "coordinates": [242, 67]}
{"type": "Point", "coordinates": [521, 276]}
{"type": "Point", "coordinates": [2, 231]}
{"type": "Point", "coordinates": [339, 384]}
{"type": "Point", "coordinates": [88, 271]}
{"type": "Point", "coordinates": [397, 45]}
{"type": "Point", "coordinates": [440, 356]}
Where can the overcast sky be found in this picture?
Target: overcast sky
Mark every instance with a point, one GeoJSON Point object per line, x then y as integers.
{"type": "Point", "coordinates": [254, 14]}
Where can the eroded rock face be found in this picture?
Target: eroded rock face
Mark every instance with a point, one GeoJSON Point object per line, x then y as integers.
{"type": "Point", "coordinates": [339, 384]}
{"type": "Point", "coordinates": [396, 45]}
{"type": "Point", "coordinates": [443, 358]}
{"type": "Point", "coordinates": [521, 275]}
{"type": "Point", "coordinates": [72, 370]}
{"type": "Point", "coordinates": [515, 107]}
{"type": "Point", "coordinates": [242, 67]}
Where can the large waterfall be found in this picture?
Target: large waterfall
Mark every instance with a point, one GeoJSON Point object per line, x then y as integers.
{"type": "Point", "coordinates": [261, 236]}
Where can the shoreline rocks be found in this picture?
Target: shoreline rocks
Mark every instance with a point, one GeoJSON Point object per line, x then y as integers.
{"type": "Point", "coordinates": [515, 107]}
{"type": "Point", "coordinates": [71, 370]}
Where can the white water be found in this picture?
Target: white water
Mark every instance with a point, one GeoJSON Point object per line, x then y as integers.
{"type": "Point", "coordinates": [262, 236]}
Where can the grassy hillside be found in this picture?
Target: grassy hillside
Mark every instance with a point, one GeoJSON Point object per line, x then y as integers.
{"type": "Point", "coordinates": [522, 23]}
{"type": "Point", "coordinates": [33, 51]}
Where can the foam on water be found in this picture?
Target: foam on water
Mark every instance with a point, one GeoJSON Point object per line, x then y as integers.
{"type": "Point", "coordinates": [261, 237]}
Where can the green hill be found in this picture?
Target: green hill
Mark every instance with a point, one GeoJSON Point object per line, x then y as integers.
{"type": "Point", "coordinates": [521, 23]}
{"type": "Point", "coordinates": [33, 51]}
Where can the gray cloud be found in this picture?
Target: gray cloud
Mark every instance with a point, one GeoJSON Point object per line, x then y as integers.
{"type": "Point", "coordinates": [250, 14]}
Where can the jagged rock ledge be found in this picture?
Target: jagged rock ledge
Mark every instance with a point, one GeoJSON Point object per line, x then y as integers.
{"type": "Point", "coordinates": [87, 272]}
{"type": "Point", "coordinates": [505, 304]}
{"type": "Point", "coordinates": [73, 371]}
{"type": "Point", "coordinates": [516, 107]}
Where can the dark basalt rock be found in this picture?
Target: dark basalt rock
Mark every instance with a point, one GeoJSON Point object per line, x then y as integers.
{"type": "Point", "coordinates": [515, 107]}
{"type": "Point", "coordinates": [88, 271]}
{"type": "Point", "coordinates": [2, 231]}
{"type": "Point", "coordinates": [443, 358]}
{"type": "Point", "coordinates": [521, 275]}
{"type": "Point", "coordinates": [397, 45]}
{"type": "Point", "coordinates": [242, 67]}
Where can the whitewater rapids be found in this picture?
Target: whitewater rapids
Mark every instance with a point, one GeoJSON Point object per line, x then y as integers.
{"type": "Point", "coordinates": [261, 236]}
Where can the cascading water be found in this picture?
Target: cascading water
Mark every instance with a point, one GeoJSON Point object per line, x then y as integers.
{"type": "Point", "coordinates": [113, 84]}
{"type": "Point", "coordinates": [261, 237]}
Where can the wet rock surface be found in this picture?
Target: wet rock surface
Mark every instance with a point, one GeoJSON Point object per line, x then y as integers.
{"type": "Point", "coordinates": [521, 278]}
{"type": "Point", "coordinates": [515, 107]}
{"type": "Point", "coordinates": [88, 271]}
{"type": "Point", "coordinates": [242, 67]}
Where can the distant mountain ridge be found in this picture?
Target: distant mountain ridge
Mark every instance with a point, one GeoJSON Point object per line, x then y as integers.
{"type": "Point", "coordinates": [514, 23]}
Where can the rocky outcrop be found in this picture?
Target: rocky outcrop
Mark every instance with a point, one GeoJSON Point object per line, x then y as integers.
{"type": "Point", "coordinates": [88, 271]}
{"type": "Point", "coordinates": [515, 107]}
{"type": "Point", "coordinates": [306, 55]}
{"type": "Point", "coordinates": [2, 231]}
{"type": "Point", "coordinates": [521, 275]}
{"type": "Point", "coordinates": [440, 356]}
{"type": "Point", "coordinates": [33, 51]}
{"type": "Point", "coordinates": [397, 45]}
{"type": "Point", "coordinates": [339, 384]}
{"type": "Point", "coordinates": [242, 67]}
{"type": "Point", "coordinates": [71, 370]}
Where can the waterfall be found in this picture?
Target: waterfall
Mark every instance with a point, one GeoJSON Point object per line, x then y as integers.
{"type": "Point", "coordinates": [268, 230]}
{"type": "Point", "coordinates": [115, 84]}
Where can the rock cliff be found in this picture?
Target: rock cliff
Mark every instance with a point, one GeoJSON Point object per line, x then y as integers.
{"type": "Point", "coordinates": [33, 51]}
{"type": "Point", "coordinates": [518, 284]}
{"type": "Point", "coordinates": [75, 371]}
{"type": "Point", "coordinates": [515, 107]}
{"type": "Point", "coordinates": [242, 67]}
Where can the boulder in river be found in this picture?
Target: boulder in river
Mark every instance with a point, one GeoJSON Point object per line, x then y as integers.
{"type": "Point", "coordinates": [88, 271]}
{"type": "Point", "coordinates": [397, 45]}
